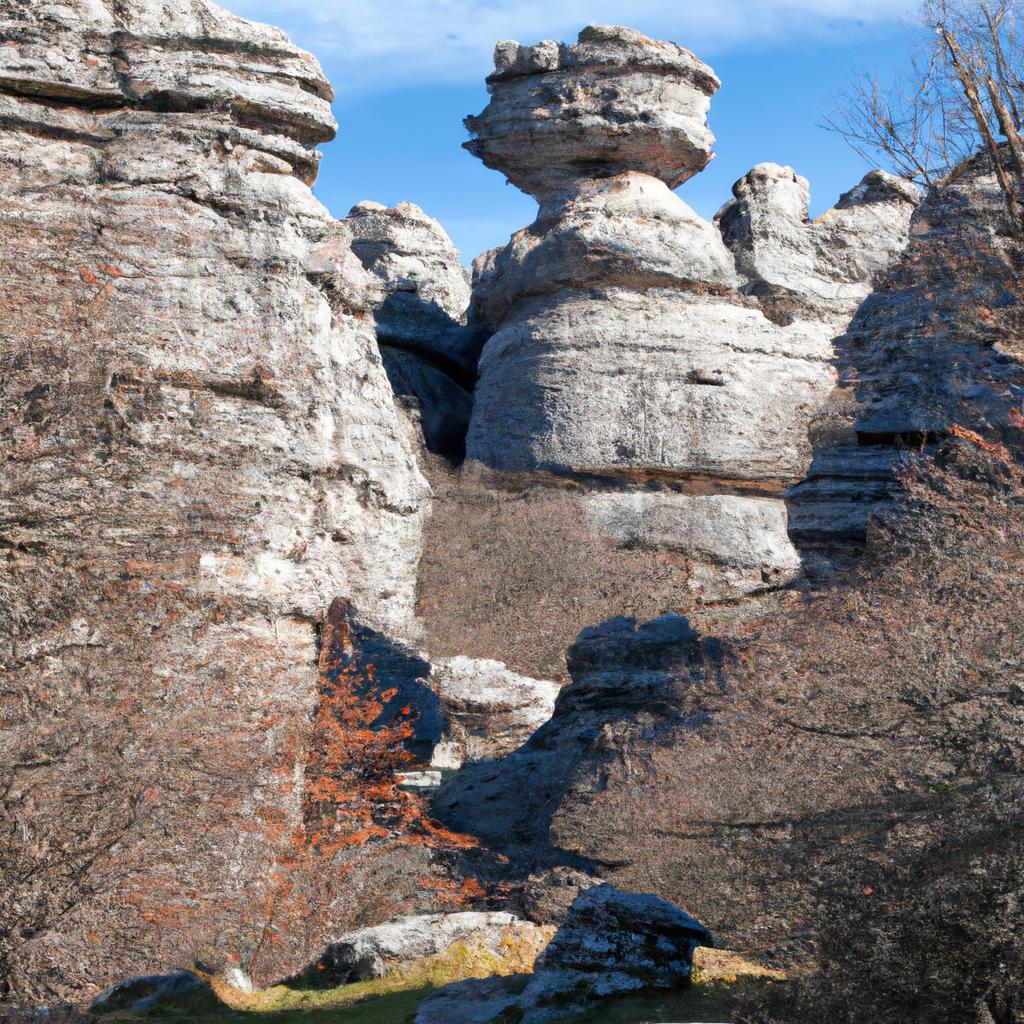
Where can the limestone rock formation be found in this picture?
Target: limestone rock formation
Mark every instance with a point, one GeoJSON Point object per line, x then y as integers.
{"type": "Point", "coordinates": [610, 943]}
{"type": "Point", "coordinates": [490, 710]}
{"type": "Point", "coordinates": [615, 101]}
{"type": "Point", "coordinates": [628, 681]}
{"type": "Point", "coordinates": [928, 350]}
{"type": "Point", "coordinates": [825, 268]}
{"type": "Point", "coordinates": [371, 952]}
{"type": "Point", "coordinates": [629, 338]}
{"type": "Point", "coordinates": [200, 449]}
{"type": "Point", "coordinates": [429, 352]}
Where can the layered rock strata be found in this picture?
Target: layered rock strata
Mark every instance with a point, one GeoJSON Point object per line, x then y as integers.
{"type": "Point", "coordinates": [823, 270]}
{"type": "Point", "coordinates": [628, 338]}
{"type": "Point", "coordinates": [200, 450]}
{"type": "Point", "coordinates": [420, 313]}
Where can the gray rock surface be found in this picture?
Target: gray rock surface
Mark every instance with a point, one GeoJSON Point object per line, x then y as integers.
{"type": "Point", "coordinates": [661, 380]}
{"type": "Point", "coordinates": [614, 101]}
{"type": "Point", "coordinates": [419, 309]}
{"type": "Point", "coordinates": [473, 1001]}
{"type": "Point", "coordinates": [734, 543]}
{"type": "Point", "coordinates": [630, 231]}
{"type": "Point", "coordinates": [629, 338]}
{"type": "Point", "coordinates": [629, 683]}
{"type": "Point", "coordinates": [200, 445]}
{"type": "Point", "coordinates": [138, 995]}
{"type": "Point", "coordinates": [611, 943]}
{"type": "Point", "coordinates": [371, 952]}
{"type": "Point", "coordinates": [826, 267]}
{"type": "Point", "coordinates": [490, 710]}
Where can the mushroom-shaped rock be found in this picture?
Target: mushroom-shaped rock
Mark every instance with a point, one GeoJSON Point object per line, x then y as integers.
{"type": "Point", "coordinates": [615, 101]}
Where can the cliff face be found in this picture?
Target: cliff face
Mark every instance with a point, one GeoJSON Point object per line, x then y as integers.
{"type": "Point", "coordinates": [200, 450]}
{"type": "Point", "coordinates": [634, 341]}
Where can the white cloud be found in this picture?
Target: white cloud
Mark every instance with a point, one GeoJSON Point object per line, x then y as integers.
{"type": "Point", "coordinates": [401, 41]}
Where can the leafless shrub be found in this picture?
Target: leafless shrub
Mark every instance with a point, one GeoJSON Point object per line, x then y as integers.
{"type": "Point", "coordinates": [516, 574]}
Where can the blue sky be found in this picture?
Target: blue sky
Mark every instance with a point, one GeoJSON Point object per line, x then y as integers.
{"type": "Point", "coordinates": [407, 71]}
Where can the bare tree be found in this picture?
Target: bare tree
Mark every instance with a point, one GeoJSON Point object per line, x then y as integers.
{"type": "Point", "coordinates": [963, 93]}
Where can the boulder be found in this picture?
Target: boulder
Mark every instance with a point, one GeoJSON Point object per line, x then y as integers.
{"type": "Point", "coordinates": [372, 952]}
{"type": "Point", "coordinates": [611, 943]}
{"type": "Point", "coordinates": [473, 1001]}
{"type": "Point", "coordinates": [490, 710]}
{"type": "Point", "coordinates": [138, 995]}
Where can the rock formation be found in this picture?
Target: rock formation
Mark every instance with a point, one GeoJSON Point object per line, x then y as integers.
{"type": "Point", "coordinates": [490, 710]}
{"type": "Point", "coordinates": [372, 952]}
{"type": "Point", "coordinates": [625, 342]}
{"type": "Point", "coordinates": [610, 943]}
{"type": "Point", "coordinates": [429, 353]}
{"type": "Point", "coordinates": [200, 445]}
{"type": "Point", "coordinates": [628, 681]}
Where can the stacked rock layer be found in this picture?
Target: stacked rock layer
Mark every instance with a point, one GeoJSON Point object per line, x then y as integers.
{"type": "Point", "coordinates": [200, 449]}
{"type": "Point", "coordinates": [629, 337]}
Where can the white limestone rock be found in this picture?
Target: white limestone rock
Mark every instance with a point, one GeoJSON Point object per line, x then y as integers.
{"type": "Point", "coordinates": [825, 267]}
{"type": "Point", "coordinates": [615, 101]}
{"type": "Point", "coordinates": [630, 231]}
{"type": "Point", "coordinates": [661, 379]}
{"type": "Point", "coordinates": [491, 711]}
{"type": "Point", "coordinates": [372, 952]}
{"type": "Point", "coordinates": [737, 543]}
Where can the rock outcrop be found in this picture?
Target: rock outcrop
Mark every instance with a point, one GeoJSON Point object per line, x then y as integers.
{"type": "Point", "coordinates": [200, 445]}
{"type": "Point", "coordinates": [629, 683]}
{"type": "Point", "coordinates": [610, 943]}
{"type": "Point", "coordinates": [825, 268]}
{"type": "Point", "coordinates": [372, 952]}
{"type": "Point", "coordinates": [429, 352]}
{"type": "Point", "coordinates": [490, 710]}
{"type": "Point", "coordinates": [930, 349]}
{"type": "Point", "coordinates": [628, 338]}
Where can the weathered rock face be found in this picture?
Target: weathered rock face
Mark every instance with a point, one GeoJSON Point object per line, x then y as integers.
{"type": "Point", "coordinates": [200, 450]}
{"type": "Point", "coordinates": [371, 952]}
{"type": "Point", "coordinates": [930, 348]}
{"type": "Point", "coordinates": [629, 684]}
{"type": "Point", "coordinates": [825, 268]}
{"type": "Point", "coordinates": [429, 353]}
{"type": "Point", "coordinates": [610, 943]}
{"type": "Point", "coordinates": [629, 338]}
{"type": "Point", "coordinates": [615, 101]}
{"type": "Point", "coordinates": [490, 710]}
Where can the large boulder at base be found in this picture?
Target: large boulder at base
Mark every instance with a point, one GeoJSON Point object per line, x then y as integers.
{"type": "Point", "coordinates": [491, 711]}
{"type": "Point", "coordinates": [610, 943]}
{"type": "Point", "coordinates": [473, 1001]}
{"type": "Point", "coordinates": [138, 995]}
{"type": "Point", "coordinates": [372, 952]}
